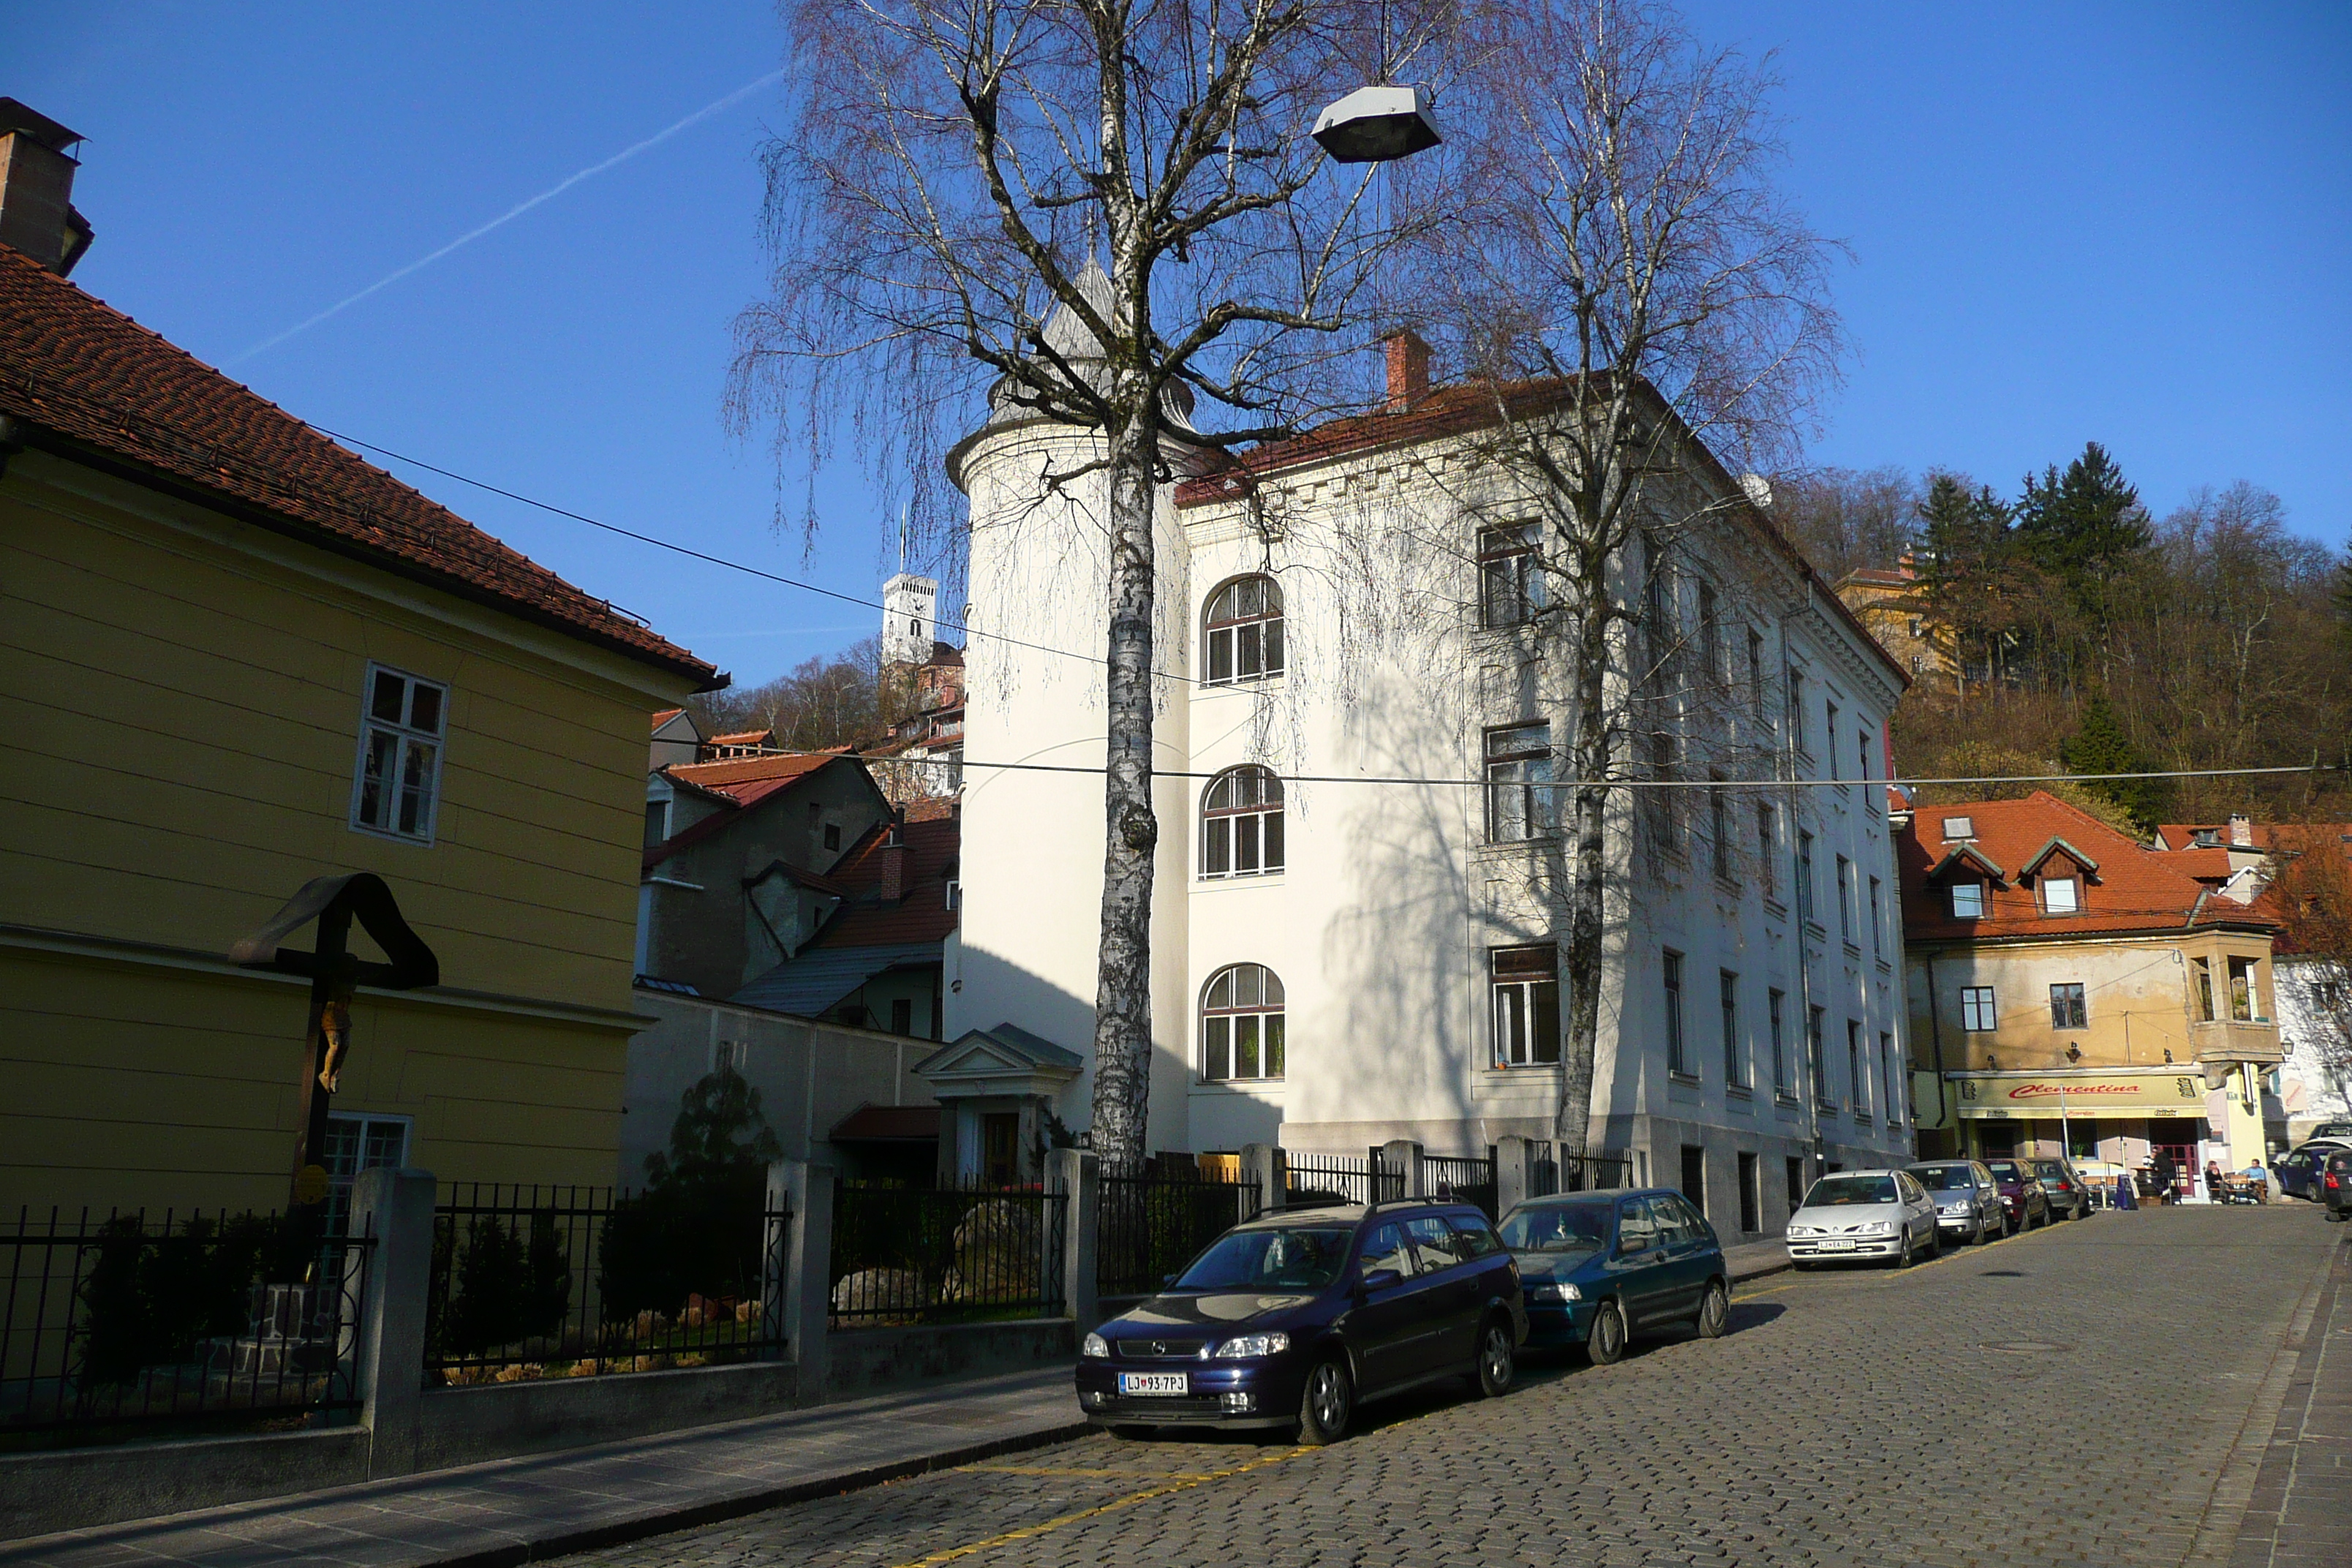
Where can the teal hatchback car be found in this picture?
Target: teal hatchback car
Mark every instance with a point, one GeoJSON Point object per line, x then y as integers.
{"type": "Point", "coordinates": [1601, 1268]}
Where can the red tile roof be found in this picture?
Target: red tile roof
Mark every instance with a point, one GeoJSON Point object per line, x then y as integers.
{"type": "Point", "coordinates": [92, 384]}
{"type": "Point", "coordinates": [922, 914]}
{"type": "Point", "coordinates": [665, 715]}
{"type": "Point", "coordinates": [742, 783]}
{"type": "Point", "coordinates": [2135, 888]}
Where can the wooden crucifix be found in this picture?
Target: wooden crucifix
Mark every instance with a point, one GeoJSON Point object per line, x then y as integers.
{"type": "Point", "coordinates": [333, 902]}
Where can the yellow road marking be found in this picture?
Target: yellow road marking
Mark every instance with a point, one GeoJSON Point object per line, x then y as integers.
{"type": "Point", "coordinates": [1030, 1532]}
{"type": "Point", "coordinates": [1055, 1470]}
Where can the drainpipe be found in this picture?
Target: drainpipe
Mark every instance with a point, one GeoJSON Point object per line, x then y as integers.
{"type": "Point", "coordinates": [1935, 1033]}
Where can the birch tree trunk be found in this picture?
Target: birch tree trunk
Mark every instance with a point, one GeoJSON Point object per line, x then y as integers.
{"type": "Point", "coordinates": [1131, 829]}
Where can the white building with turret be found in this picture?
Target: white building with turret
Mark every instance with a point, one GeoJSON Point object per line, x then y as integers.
{"type": "Point", "coordinates": [1357, 906]}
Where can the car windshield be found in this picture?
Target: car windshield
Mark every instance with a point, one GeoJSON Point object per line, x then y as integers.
{"type": "Point", "coordinates": [1835, 1192]}
{"type": "Point", "coordinates": [1557, 1227]}
{"type": "Point", "coordinates": [1286, 1258]}
{"type": "Point", "coordinates": [1946, 1178]}
{"type": "Point", "coordinates": [2004, 1170]}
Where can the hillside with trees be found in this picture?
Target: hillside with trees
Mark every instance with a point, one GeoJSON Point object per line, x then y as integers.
{"type": "Point", "coordinates": [2087, 635]}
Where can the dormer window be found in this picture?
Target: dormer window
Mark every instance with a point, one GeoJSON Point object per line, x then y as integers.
{"type": "Point", "coordinates": [2061, 896]}
{"type": "Point", "coordinates": [1968, 901]}
{"type": "Point", "coordinates": [1959, 827]}
{"type": "Point", "coordinates": [2206, 838]}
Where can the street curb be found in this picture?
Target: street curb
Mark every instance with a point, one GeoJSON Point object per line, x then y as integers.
{"type": "Point", "coordinates": [719, 1510]}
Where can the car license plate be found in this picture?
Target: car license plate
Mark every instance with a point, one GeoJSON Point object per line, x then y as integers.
{"type": "Point", "coordinates": [1840, 1246]}
{"type": "Point", "coordinates": [1153, 1383]}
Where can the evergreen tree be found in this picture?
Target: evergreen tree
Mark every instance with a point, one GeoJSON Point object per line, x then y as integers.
{"type": "Point", "coordinates": [720, 1133]}
{"type": "Point", "coordinates": [2078, 524]}
{"type": "Point", "coordinates": [1965, 555]}
{"type": "Point", "coordinates": [2100, 746]}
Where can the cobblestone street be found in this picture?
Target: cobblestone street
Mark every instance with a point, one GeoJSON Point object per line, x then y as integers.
{"type": "Point", "coordinates": [2101, 1392]}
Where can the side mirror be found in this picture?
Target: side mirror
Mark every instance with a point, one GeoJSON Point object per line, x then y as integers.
{"type": "Point", "coordinates": [1166, 1280]}
{"type": "Point", "coordinates": [1379, 1279]}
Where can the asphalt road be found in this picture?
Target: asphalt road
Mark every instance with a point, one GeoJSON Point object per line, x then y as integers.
{"type": "Point", "coordinates": [2100, 1392]}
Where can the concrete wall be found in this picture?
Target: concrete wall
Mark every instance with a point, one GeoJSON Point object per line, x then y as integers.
{"type": "Point", "coordinates": [869, 1360]}
{"type": "Point", "coordinates": [74, 1489]}
{"type": "Point", "coordinates": [809, 1074]}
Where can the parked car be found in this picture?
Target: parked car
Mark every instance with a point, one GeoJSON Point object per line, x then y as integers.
{"type": "Point", "coordinates": [1968, 1208]}
{"type": "Point", "coordinates": [2297, 1170]}
{"type": "Point", "coordinates": [1864, 1216]}
{"type": "Point", "coordinates": [2336, 1184]}
{"type": "Point", "coordinates": [2020, 1193]}
{"type": "Point", "coordinates": [2068, 1195]}
{"type": "Point", "coordinates": [2333, 1131]}
{"type": "Point", "coordinates": [1603, 1269]}
{"type": "Point", "coordinates": [1294, 1318]}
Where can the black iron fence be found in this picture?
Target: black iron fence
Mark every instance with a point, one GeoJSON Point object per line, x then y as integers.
{"type": "Point", "coordinates": [1150, 1226]}
{"type": "Point", "coordinates": [531, 1281]}
{"type": "Point", "coordinates": [1313, 1180]}
{"type": "Point", "coordinates": [929, 1255]}
{"type": "Point", "coordinates": [1550, 1172]}
{"type": "Point", "coordinates": [196, 1318]}
{"type": "Point", "coordinates": [1462, 1180]}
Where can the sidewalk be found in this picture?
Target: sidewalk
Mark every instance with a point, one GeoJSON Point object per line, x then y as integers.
{"type": "Point", "coordinates": [2300, 1515]}
{"type": "Point", "coordinates": [1754, 1259]}
{"type": "Point", "coordinates": [527, 1510]}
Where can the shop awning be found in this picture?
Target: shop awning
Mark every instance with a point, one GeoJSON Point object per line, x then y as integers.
{"type": "Point", "coordinates": [2045, 1096]}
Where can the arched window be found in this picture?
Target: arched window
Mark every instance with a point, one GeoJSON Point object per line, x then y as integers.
{"type": "Point", "coordinates": [1243, 631]}
{"type": "Point", "coordinates": [1241, 824]}
{"type": "Point", "coordinates": [1240, 1025]}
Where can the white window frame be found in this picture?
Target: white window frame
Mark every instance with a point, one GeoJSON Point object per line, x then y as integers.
{"type": "Point", "coordinates": [2073, 887]}
{"type": "Point", "coordinates": [1524, 984]}
{"type": "Point", "coordinates": [1975, 892]}
{"type": "Point", "coordinates": [1267, 1016]}
{"type": "Point", "coordinates": [1224, 826]}
{"type": "Point", "coordinates": [402, 736]}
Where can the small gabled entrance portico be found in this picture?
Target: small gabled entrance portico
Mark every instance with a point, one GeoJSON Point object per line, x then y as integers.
{"type": "Point", "coordinates": [995, 1088]}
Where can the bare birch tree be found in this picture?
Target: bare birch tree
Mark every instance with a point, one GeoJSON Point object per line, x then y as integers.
{"type": "Point", "coordinates": [1637, 296]}
{"type": "Point", "coordinates": [959, 174]}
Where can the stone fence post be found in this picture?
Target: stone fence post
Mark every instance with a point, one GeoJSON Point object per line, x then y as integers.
{"type": "Point", "coordinates": [808, 1274]}
{"type": "Point", "coordinates": [1404, 1154]}
{"type": "Point", "coordinates": [1077, 1174]}
{"type": "Point", "coordinates": [1514, 1178]}
{"type": "Point", "coordinates": [1261, 1169]}
{"type": "Point", "coordinates": [396, 1206]}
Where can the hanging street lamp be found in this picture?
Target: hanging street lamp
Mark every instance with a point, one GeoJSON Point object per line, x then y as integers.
{"type": "Point", "coordinates": [1378, 125]}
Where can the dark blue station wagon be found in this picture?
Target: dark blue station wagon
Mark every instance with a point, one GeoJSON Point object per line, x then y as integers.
{"type": "Point", "coordinates": [1292, 1319]}
{"type": "Point", "coordinates": [1601, 1268]}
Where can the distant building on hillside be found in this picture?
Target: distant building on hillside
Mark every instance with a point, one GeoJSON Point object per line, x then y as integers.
{"type": "Point", "coordinates": [1885, 599]}
{"type": "Point", "coordinates": [922, 680]}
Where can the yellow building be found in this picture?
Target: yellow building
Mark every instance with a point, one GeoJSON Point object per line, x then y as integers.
{"type": "Point", "coordinates": [1887, 602]}
{"type": "Point", "coordinates": [234, 657]}
{"type": "Point", "coordinates": [2070, 990]}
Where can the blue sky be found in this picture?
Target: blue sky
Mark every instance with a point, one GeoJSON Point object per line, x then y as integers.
{"type": "Point", "coordinates": [2131, 222]}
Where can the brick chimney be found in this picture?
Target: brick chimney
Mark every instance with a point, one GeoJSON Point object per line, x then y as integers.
{"type": "Point", "coordinates": [1408, 369]}
{"type": "Point", "coordinates": [894, 859]}
{"type": "Point", "coordinates": [36, 173]}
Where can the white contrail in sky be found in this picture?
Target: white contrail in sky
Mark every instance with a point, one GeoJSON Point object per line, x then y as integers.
{"type": "Point", "coordinates": [508, 216]}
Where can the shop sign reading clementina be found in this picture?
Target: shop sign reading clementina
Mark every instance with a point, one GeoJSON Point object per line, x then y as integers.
{"type": "Point", "coordinates": [2041, 1095]}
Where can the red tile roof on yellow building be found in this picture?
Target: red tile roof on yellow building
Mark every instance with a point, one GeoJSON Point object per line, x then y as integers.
{"type": "Point", "coordinates": [2128, 887]}
{"type": "Point", "coordinates": [82, 379]}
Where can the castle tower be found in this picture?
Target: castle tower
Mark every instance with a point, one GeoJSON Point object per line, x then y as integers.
{"type": "Point", "coordinates": [909, 621]}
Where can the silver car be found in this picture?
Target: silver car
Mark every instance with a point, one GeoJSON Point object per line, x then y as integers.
{"type": "Point", "coordinates": [1858, 1216]}
{"type": "Point", "coordinates": [1968, 1205]}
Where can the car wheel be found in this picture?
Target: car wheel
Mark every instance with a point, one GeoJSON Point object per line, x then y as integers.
{"type": "Point", "coordinates": [1713, 1312]}
{"type": "Point", "coordinates": [1328, 1403]}
{"type": "Point", "coordinates": [1977, 1232]}
{"type": "Point", "coordinates": [1498, 1360]}
{"type": "Point", "coordinates": [1605, 1345]}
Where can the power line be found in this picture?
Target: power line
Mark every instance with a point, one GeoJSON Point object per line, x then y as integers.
{"type": "Point", "coordinates": [1604, 783]}
{"type": "Point", "coordinates": [706, 556]}
{"type": "Point", "coordinates": [761, 572]}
